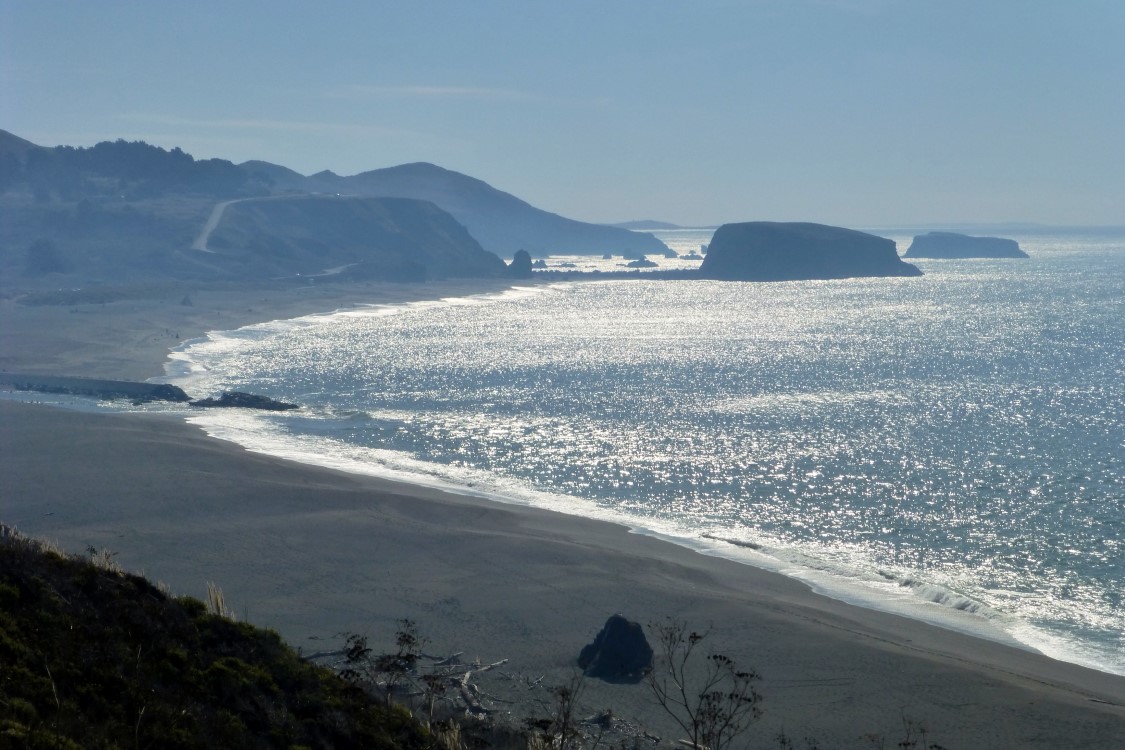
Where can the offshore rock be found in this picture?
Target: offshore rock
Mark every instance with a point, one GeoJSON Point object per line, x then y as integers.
{"type": "Point", "coordinates": [521, 265]}
{"type": "Point", "coordinates": [775, 251]}
{"type": "Point", "coordinates": [953, 245]}
{"type": "Point", "coordinates": [619, 653]}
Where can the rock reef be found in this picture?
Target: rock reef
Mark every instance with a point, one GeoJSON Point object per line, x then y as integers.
{"type": "Point", "coordinates": [244, 401]}
{"type": "Point", "coordinates": [775, 251]}
{"type": "Point", "coordinates": [138, 393]}
{"type": "Point", "coordinates": [953, 245]}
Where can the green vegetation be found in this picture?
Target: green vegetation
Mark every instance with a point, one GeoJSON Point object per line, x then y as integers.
{"type": "Point", "coordinates": [96, 658]}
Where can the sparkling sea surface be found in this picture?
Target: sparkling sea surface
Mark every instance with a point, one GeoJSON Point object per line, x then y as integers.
{"type": "Point", "coordinates": [948, 447]}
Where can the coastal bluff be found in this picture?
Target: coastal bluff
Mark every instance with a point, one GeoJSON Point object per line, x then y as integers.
{"type": "Point", "coordinates": [352, 238]}
{"type": "Point", "coordinates": [777, 251]}
{"type": "Point", "coordinates": [954, 245]}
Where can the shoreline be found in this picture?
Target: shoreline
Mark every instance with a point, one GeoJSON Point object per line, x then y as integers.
{"type": "Point", "coordinates": [130, 338]}
{"type": "Point", "coordinates": [848, 591]}
{"type": "Point", "coordinates": [514, 581]}
{"type": "Point", "coordinates": [936, 605]}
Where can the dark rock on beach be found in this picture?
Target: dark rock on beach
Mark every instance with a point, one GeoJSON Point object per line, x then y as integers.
{"type": "Point", "coordinates": [953, 245]}
{"type": "Point", "coordinates": [773, 251]}
{"type": "Point", "coordinates": [245, 401]}
{"type": "Point", "coordinates": [620, 652]}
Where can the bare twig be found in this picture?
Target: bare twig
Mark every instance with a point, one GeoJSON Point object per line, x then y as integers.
{"type": "Point", "coordinates": [709, 697]}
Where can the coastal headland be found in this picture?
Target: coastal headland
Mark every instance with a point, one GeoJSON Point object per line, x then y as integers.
{"type": "Point", "coordinates": [313, 553]}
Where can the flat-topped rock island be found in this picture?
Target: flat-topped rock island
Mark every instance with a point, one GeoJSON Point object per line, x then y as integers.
{"type": "Point", "coordinates": [777, 251]}
{"type": "Point", "coordinates": [954, 245]}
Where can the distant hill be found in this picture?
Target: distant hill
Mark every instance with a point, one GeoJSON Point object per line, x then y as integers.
{"type": "Point", "coordinates": [134, 170]}
{"type": "Point", "coordinates": [501, 222]}
{"type": "Point", "coordinates": [356, 237]}
{"type": "Point", "coordinates": [13, 144]}
{"type": "Point", "coordinates": [13, 154]}
{"type": "Point", "coordinates": [55, 243]}
{"type": "Point", "coordinates": [279, 178]}
{"type": "Point", "coordinates": [128, 212]}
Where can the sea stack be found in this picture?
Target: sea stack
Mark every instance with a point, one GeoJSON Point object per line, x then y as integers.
{"type": "Point", "coordinates": [774, 251]}
{"type": "Point", "coordinates": [953, 245]}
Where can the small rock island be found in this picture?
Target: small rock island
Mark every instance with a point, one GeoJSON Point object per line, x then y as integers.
{"type": "Point", "coordinates": [776, 251]}
{"type": "Point", "coordinates": [954, 245]}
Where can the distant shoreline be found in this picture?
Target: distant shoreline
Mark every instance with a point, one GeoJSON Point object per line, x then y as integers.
{"type": "Point", "coordinates": [128, 335]}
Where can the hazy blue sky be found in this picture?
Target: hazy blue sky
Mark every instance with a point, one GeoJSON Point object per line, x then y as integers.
{"type": "Point", "coordinates": [854, 112]}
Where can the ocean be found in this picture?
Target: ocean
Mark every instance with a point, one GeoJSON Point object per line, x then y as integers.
{"type": "Point", "coordinates": [948, 447]}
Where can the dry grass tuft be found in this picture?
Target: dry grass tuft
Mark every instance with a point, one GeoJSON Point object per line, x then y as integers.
{"type": "Point", "coordinates": [216, 602]}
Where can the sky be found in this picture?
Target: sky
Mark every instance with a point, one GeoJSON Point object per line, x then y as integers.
{"type": "Point", "coordinates": [861, 113]}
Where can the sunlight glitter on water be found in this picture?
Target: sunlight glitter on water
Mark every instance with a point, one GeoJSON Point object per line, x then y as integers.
{"type": "Point", "coordinates": [952, 440]}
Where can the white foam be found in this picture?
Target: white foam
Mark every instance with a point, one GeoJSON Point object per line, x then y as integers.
{"type": "Point", "coordinates": [841, 577]}
{"type": "Point", "coordinates": [875, 589]}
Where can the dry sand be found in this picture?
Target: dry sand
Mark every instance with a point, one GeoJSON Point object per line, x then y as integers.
{"type": "Point", "coordinates": [313, 552]}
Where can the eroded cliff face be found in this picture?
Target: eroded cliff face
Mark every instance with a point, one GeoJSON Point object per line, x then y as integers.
{"type": "Point", "coordinates": [777, 251]}
{"type": "Point", "coordinates": [954, 245]}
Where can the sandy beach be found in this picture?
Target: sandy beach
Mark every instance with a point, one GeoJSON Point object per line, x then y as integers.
{"type": "Point", "coordinates": [313, 553]}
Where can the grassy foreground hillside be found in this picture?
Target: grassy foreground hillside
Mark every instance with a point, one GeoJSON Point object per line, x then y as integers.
{"type": "Point", "coordinates": [95, 658]}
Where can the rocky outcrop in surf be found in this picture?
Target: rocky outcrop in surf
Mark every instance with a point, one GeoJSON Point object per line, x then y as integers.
{"type": "Point", "coordinates": [521, 265]}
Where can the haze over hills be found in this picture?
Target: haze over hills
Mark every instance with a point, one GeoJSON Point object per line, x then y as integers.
{"type": "Point", "coordinates": [334, 236]}
{"type": "Point", "coordinates": [122, 212]}
{"type": "Point", "coordinates": [501, 222]}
